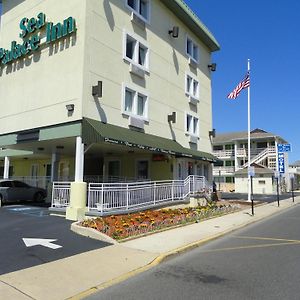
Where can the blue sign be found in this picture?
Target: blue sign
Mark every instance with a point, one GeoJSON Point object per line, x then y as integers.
{"type": "Point", "coordinates": [281, 167]}
{"type": "Point", "coordinates": [284, 147]}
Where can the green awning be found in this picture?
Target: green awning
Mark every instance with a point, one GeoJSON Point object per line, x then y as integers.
{"type": "Point", "coordinates": [96, 132]}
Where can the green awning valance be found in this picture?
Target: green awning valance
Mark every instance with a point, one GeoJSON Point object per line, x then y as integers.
{"type": "Point", "coordinates": [96, 132]}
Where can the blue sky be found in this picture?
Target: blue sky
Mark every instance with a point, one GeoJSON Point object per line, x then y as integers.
{"type": "Point", "coordinates": [268, 33]}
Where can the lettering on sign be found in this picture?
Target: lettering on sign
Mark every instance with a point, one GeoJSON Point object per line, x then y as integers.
{"type": "Point", "coordinates": [31, 35]}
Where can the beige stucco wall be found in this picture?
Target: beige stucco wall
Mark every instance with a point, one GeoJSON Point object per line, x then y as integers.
{"type": "Point", "coordinates": [35, 90]}
{"type": "Point", "coordinates": [165, 84]}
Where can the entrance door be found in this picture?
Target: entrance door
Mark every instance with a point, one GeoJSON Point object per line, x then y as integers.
{"type": "Point", "coordinates": [114, 169]}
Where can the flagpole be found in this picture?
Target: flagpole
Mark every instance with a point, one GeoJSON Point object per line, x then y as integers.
{"type": "Point", "coordinates": [249, 145]}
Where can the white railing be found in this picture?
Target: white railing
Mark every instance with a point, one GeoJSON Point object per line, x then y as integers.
{"type": "Point", "coordinates": [122, 197]}
{"type": "Point", "coordinates": [223, 171]}
{"type": "Point", "coordinates": [260, 154]}
{"type": "Point", "coordinates": [223, 153]}
{"type": "Point", "coordinates": [61, 194]}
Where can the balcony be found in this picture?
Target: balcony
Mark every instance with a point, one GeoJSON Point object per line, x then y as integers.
{"type": "Point", "coordinates": [223, 153]}
{"type": "Point", "coordinates": [223, 171]}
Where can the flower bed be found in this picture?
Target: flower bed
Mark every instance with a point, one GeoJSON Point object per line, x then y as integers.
{"type": "Point", "coordinates": [124, 226]}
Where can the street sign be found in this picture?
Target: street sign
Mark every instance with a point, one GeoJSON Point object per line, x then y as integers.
{"type": "Point", "coordinates": [41, 242]}
{"type": "Point", "coordinates": [281, 167]}
{"type": "Point", "coordinates": [251, 171]}
{"type": "Point", "coordinates": [284, 147]}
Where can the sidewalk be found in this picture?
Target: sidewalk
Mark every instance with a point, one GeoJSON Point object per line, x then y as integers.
{"type": "Point", "coordinates": [80, 275]}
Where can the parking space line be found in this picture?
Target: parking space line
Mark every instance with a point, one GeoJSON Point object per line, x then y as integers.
{"type": "Point", "coordinates": [265, 238]}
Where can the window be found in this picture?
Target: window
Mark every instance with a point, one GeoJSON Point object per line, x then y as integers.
{"type": "Point", "coordinates": [229, 180]}
{"type": "Point", "coordinates": [142, 169]}
{"type": "Point", "coordinates": [140, 7]}
{"type": "Point", "coordinates": [136, 52]}
{"type": "Point", "coordinates": [192, 87]}
{"type": "Point", "coordinates": [135, 103]}
{"type": "Point", "coordinates": [192, 125]}
{"type": "Point", "coordinates": [192, 49]}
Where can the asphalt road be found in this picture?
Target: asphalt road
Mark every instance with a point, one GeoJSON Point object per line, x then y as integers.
{"type": "Point", "coordinates": [28, 221]}
{"type": "Point", "coordinates": [261, 261]}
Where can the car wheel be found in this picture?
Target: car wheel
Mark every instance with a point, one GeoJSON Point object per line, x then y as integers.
{"type": "Point", "coordinates": [38, 197]}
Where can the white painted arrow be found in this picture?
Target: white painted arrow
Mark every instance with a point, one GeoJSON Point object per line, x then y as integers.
{"type": "Point", "coordinates": [42, 242]}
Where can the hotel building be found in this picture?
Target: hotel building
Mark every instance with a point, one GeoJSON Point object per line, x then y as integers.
{"type": "Point", "coordinates": [104, 90]}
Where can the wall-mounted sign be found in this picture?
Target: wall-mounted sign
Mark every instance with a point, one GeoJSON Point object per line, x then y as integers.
{"type": "Point", "coordinates": [31, 35]}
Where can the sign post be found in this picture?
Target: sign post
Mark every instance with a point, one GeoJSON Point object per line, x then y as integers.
{"type": "Point", "coordinates": [292, 176]}
{"type": "Point", "coordinates": [251, 173]}
{"type": "Point", "coordinates": [277, 175]}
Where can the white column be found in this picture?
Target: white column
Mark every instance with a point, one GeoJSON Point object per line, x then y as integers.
{"type": "Point", "coordinates": [78, 192]}
{"type": "Point", "coordinates": [236, 162]}
{"type": "Point", "coordinates": [6, 167]}
{"type": "Point", "coordinates": [79, 160]}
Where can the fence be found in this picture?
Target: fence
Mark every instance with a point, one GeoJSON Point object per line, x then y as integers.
{"type": "Point", "coordinates": [106, 198]}
{"type": "Point", "coordinates": [122, 197]}
{"type": "Point", "coordinates": [61, 194]}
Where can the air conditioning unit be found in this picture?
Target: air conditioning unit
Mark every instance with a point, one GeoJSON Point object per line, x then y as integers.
{"type": "Point", "coordinates": [193, 100]}
{"type": "Point", "coordinates": [136, 122]}
{"type": "Point", "coordinates": [137, 20]}
{"type": "Point", "coordinates": [193, 139]}
{"type": "Point", "coordinates": [136, 70]}
{"type": "Point", "coordinates": [193, 63]}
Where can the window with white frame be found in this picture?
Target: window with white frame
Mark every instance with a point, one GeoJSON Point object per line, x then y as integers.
{"type": "Point", "coordinates": [140, 7]}
{"type": "Point", "coordinates": [135, 103]}
{"type": "Point", "coordinates": [192, 87]}
{"type": "Point", "coordinates": [192, 49]}
{"type": "Point", "coordinates": [136, 52]}
{"type": "Point", "coordinates": [192, 125]}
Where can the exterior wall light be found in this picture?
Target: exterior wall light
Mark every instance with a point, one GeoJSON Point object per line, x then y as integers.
{"type": "Point", "coordinates": [212, 133]}
{"type": "Point", "coordinates": [70, 107]}
{"type": "Point", "coordinates": [172, 117]}
{"type": "Point", "coordinates": [174, 32]}
{"type": "Point", "coordinates": [97, 90]}
{"type": "Point", "coordinates": [213, 67]}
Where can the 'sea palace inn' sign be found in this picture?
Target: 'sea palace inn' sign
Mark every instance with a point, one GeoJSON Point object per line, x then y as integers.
{"type": "Point", "coordinates": [31, 34]}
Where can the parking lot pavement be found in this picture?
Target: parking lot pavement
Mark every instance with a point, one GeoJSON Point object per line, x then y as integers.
{"type": "Point", "coordinates": [48, 238]}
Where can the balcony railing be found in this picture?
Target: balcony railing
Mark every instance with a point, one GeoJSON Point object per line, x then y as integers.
{"type": "Point", "coordinates": [242, 152]}
{"type": "Point", "coordinates": [223, 171]}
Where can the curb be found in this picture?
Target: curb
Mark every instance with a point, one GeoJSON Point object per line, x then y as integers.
{"type": "Point", "coordinates": [159, 259]}
{"type": "Point", "coordinates": [92, 233]}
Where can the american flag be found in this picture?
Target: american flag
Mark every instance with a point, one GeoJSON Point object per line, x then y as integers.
{"type": "Point", "coordinates": [242, 85]}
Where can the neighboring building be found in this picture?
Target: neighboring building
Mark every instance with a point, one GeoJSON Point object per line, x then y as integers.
{"type": "Point", "coordinates": [263, 180]}
{"type": "Point", "coordinates": [294, 169]}
{"type": "Point", "coordinates": [104, 89]}
{"type": "Point", "coordinates": [232, 152]}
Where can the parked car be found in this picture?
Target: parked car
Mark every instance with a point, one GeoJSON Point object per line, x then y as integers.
{"type": "Point", "coordinates": [14, 190]}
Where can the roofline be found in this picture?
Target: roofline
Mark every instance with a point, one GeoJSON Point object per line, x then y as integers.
{"type": "Point", "coordinates": [253, 138]}
{"type": "Point", "coordinates": [181, 9]}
